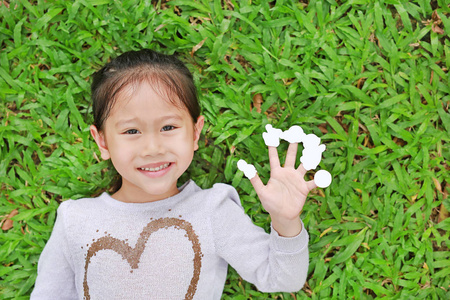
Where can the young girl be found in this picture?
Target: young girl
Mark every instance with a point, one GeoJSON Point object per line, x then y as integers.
{"type": "Point", "coordinates": [151, 239]}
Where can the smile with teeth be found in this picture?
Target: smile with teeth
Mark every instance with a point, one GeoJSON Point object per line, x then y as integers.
{"type": "Point", "coordinates": [155, 169]}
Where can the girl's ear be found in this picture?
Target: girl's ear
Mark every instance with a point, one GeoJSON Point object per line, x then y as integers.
{"type": "Point", "coordinates": [198, 130]}
{"type": "Point", "coordinates": [99, 138]}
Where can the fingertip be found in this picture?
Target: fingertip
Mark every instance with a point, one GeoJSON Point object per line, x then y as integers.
{"type": "Point", "coordinates": [301, 169]}
{"type": "Point", "coordinates": [293, 147]}
{"type": "Point", "coordinates": [255, 178]}
{"type": "Point", "coordinates": [274, 160]}
{"type": "Point", "coordinates": [311, 185]}
{"type": "Point", "coordinates": [291, 155]}
{"type": "Point", "coordinates": [256, 182]}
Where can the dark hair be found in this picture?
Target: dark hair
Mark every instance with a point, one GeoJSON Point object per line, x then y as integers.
{"type": "Point", "coordinates": [169, 77]}
{"type": "Point", "coordinates": [167, 74]}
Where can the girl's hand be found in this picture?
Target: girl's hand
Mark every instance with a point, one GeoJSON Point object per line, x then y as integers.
{"type": "Point", "coordinates": [285, 193]}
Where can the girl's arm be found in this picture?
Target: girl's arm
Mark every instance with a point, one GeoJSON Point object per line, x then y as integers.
{"type": "Point", "coordinates": [278, 262]}
{"type": "Point", "coordinates": [271, 262]}
{"type": "Point", "coordinates": [285, 193]}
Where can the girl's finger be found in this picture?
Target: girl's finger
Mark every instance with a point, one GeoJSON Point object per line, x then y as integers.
{"type": "Point", "coordinates": [302, 170]}
{"type": "Point", "coordinates": [311, 185]}
{"type": "Point", "coordinates": [291, 155]}
{"type": "Point", "coordinates": [258, 185]}
{"type": "Point", "coordinates": [274, 160]}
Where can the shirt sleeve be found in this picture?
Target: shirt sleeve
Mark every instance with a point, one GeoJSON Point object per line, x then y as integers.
{"type": "Point", "coordinates": [271, 262]}
{"type": "Point", "coordinates": [55, 278]}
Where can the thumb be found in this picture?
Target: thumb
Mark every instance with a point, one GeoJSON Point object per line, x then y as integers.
{"type": "Point", "coordinates": [311, 185]}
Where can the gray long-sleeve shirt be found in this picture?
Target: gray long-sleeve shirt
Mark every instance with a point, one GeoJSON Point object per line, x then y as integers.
{"type": "Point", "coordinates": [177, 248]}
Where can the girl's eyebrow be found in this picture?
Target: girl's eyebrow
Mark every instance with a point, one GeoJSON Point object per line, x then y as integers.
{"type": "Point", "coordinates": [170, 117]}
{"type": "Point", "coordinates": [125, 122]}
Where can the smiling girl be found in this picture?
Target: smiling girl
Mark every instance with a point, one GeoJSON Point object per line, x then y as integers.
{"type": "Point", "coordinates": [151, 239]}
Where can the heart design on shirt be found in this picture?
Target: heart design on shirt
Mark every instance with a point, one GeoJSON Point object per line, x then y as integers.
{"type": "Point", "coordinates": [133, 255]}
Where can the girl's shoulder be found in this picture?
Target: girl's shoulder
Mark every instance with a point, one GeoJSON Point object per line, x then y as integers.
{"type": "Point", "coordinates": [217, 188]}
{"type": "Point", "coordinates": [81, 205]}
{"type": "Point", "coordinates": [219, 193]}
{"type": "Point", "coordinates": [221, 188]}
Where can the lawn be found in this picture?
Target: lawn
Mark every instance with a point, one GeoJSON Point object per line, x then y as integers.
{"type": "Point", "coordinates": [370, 78]}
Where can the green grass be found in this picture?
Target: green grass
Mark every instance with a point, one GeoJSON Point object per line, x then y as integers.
{"type": "Point", "coordinates": [369, 77]}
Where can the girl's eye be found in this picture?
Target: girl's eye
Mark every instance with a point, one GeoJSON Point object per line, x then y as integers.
{"type": "Point", "coordinates": [168, 128]}
{"type": "Point", "coordinates": [132, 131]}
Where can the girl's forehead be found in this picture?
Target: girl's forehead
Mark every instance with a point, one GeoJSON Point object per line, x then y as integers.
{"type": "Point", "coordinates": [145, 100]}
{"type": "Point", "coordinates": [145, 93]}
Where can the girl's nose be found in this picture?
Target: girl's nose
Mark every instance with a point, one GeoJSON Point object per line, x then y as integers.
{"type": "Point", "coordinates": [152, 145]}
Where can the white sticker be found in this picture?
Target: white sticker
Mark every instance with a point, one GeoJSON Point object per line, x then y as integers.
{"type": "Point", "coordinates": [272, 136]}
{"type": "Point", "coordinates": [312, 153]}
{"type": "Point", "coordinates": [295, 134]}
{"type": "Point", "coordinates": [322, 178]}
{"type": "Point", "coordinates": [248, 169]}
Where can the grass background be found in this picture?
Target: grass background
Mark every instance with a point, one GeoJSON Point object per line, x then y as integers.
{"type": "Point", "coordinates": [368, 77]}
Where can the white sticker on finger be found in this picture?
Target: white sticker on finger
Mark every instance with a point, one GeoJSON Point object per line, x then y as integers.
{"type": "Point", "coordinates": [272, 136]}
{"type": "Point", "coordinates": [248, 169]}
{"type": "Point", "coordinates": [295, 134]}
{"type": "Point", "coordinates": [322, 178]}
{"type": "Point", "coordinates": [312, 153]}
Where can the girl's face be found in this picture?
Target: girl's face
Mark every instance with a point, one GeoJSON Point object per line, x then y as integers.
{"type": "Point", "coordinates": [150, 142]}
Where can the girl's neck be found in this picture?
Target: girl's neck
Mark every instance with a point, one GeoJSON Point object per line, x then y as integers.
{"type": "Point", "coordinates": [129, 195]}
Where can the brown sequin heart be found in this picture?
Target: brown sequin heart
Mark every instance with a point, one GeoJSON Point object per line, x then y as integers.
{"type": "Point", "coordinates": [133, 255]}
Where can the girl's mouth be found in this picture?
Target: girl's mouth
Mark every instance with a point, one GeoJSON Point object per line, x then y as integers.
{"type": "Point", "coordinates": [164, 166]}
